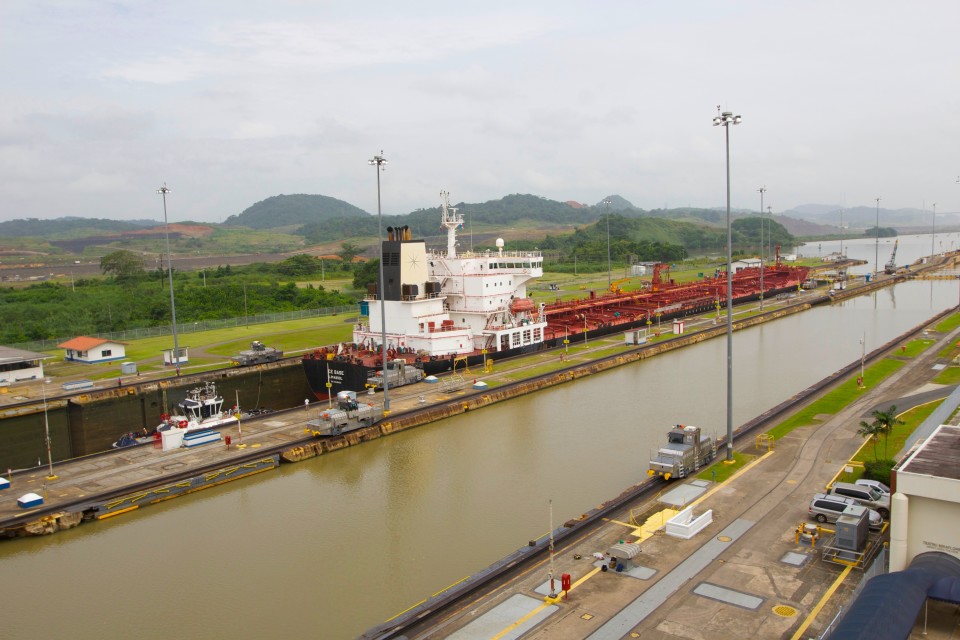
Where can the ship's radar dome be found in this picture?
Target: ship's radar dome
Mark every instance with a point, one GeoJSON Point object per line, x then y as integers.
{"type": "Point", "coordinates": [499, 243]}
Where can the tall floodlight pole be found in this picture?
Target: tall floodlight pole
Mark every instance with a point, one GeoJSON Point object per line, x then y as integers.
{"type": "Point", "coordinates": [769, 230]}
{"type": "Point", "coordinates": [933, 230]}
{"type": "Point", "coordinates": [725, 119]}
{"type": "Point", "coordinates": [381, 165]}
{"type": "Point", "coordinates": [876, 251]}
{"type": "Point", "coordinates": [46, 426]}
{"type": "Point", "coordinates": [841, 233]}
{"type": "Point", "coordinates": [762, 191]}
{"type": "Point", "coordinates": [606, 204]}
{"type": "Point", "coordinates": [163, 191]}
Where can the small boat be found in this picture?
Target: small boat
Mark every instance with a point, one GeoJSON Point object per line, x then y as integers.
{"type": "Point", "coordinates": [201, 409]}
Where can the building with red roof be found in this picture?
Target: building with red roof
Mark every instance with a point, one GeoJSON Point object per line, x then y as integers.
{"type": "Point", "coordinates": [90, 350]}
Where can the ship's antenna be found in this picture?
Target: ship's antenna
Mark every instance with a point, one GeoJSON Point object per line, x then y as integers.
{"type": "Point", "coordinates": [451, 219]}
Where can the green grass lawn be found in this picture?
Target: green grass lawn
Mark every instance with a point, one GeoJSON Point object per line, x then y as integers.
{"type": "Point", "coordinates": [290, 336]}
{"type": "Point", "coordinates": [950, 375]}
{"type": "Point", "coordinates": [898, 436]}
{"type": "Point", "coordinates": [915, 347]}
{"type": "Point", "coordinates": [720, 471]}
{"type": "Point", "coordinates": [837, 399]}
{"type": "Point", "coordinates": [949, 323]}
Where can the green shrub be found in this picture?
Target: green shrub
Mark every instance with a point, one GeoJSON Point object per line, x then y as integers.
{"type": "Point", "coordinates": [879, 470]}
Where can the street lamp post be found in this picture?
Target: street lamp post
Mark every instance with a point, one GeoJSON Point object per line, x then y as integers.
{"type": "Point", "coordinates": [46, 425]}
{"type": "Point", "coordinates": [863, 354]}
{"type": "Point", "coordinates": [876, 251]}
{"type": "Point", "coordinates": [841, 234]}
{"type": "Point", "coordinates": [762, 191]}
{"type": "Point", "coordinates": [606, 204]}
{"type": "Point", "coordinates": [770, 231]}
{"type": "Point", "coordinates": [163, 191]}
{"type": "Point", "coordinates": [725, 119]}
{"type": "Point", "coordinates": [933, 230]}
{"type": "Point", "coordinates": [380, 163]}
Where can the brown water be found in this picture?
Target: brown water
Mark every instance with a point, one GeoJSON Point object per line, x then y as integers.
{"type": "Point", "coordinates": [332, 546]}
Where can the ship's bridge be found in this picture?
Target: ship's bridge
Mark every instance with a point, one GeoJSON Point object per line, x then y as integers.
{"type": "Point", "coordinates": [529, 263]}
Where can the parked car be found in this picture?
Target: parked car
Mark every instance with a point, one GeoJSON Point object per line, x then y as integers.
{"type": "Point", "coordinates": [876, 484]}
{"type": "Point", "coordinates": [827, 508]}
{"type": "Point", "coordinates": [867, 496]}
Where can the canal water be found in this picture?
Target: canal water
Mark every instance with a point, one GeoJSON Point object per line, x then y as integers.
{"type": "Point", "coordinates": [330, 547]}
{"type": "Point", "coordinates": [876, 252]}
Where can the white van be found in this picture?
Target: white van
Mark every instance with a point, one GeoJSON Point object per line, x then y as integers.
{"type": "Point", "coordinates": [867, 496]}
{"type": "Point", "coordinates": [876, 484]}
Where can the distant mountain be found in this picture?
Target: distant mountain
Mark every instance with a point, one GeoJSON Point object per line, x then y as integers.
{"type": "Point", "coordinates": [808, 229]}
{"type": "Point", "coordinates": [866, 217]}
{"type": "Point", "coordinates": [291, 210]}
{"type": "Point", "coordinates": [68, 226]}
{"type": "Point", "coordinates": [617, 203]}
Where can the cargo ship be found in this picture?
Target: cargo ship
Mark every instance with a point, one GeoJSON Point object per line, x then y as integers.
{"type": "Point", "coordinates": [445, 310]}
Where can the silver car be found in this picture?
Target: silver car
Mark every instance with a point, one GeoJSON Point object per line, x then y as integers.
{"type": "Point", "coordinates": [827, 508]}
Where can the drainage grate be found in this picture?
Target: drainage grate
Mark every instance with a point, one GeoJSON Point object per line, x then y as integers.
{"type": "Point", "coordinates": [784, 611]}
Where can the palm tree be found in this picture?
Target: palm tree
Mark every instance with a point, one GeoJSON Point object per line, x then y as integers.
{"type": "Point", "coordinates": [886, 421]}
{"type": "Point", "coordinates": [870, 430]}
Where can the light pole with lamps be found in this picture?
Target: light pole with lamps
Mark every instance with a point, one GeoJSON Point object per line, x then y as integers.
{"type": "Point", "coordinates": [725, 119]}
{"type": "Point", "coordinates": [876, 251]}
{"type": "Point", "coordinates": [769, 231]}
{"type": "Point", "coordinates": [863, 354]}
{"type": "Point", "coordinates": [380, 163]}
{"type": "Point", "coordinates": [762, 191]}
{"type": "Point", "coordinates": [841, 233]}
{"type": "Point", "coordinates": [163, 191]}
{"type": "Point", "coordinates": [606, 204]}
{"type": "Point", "coordinates": [933, 230]}
{"type": "Point", "coordinates": [46, 425]}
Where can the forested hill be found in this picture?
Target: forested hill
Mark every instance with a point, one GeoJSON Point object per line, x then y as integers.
{"type": "Point", "coordinates": [506, 211]}
{"type": "Point", "coordinates": [296, 209]}
{"type": "Point", "coordinates": [67, 227]}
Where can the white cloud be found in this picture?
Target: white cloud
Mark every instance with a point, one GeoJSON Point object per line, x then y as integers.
{"type": "Point", "coordinates": [235, 102]}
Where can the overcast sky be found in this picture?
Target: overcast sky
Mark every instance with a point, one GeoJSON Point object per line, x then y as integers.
{"type": "Point", "coordinates": [231, 102]}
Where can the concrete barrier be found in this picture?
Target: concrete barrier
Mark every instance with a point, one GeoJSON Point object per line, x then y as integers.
{"type": "Point", "coordinates": [684, 525]}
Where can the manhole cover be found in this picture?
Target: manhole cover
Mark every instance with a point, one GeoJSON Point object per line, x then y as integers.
{"type": "Point", "coordinates": [784, 611]}
{"type": "Point", "coordinates": [724, 538]}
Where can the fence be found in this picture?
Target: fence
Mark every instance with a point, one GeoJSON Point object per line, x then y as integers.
{"type": "Point", "coordinates": [194, 327]}
{"type": "Point", "coordinates": [878, 567]}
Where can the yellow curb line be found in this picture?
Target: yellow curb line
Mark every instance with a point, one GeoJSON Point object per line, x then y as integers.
{"type": "Point", "coordinates": [543, 606]}
{"type": "Point", "coordinates": [719, 486]}
{"type": "Point", "coordinates": [820, 605]}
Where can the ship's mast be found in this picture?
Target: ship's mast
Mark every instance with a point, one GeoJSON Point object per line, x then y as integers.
{"type": "Point", "coordinates": [452, 220]}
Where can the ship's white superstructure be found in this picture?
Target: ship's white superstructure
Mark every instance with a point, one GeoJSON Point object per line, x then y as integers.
{"type": "Point", "coordinates": [445, 303]}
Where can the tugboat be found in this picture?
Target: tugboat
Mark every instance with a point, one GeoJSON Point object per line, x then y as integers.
{"type": "Point", "coordinates": [201, 409]}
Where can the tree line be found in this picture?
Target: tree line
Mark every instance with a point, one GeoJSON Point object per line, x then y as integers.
{"type": "Point", "coordinates": [132, 297]}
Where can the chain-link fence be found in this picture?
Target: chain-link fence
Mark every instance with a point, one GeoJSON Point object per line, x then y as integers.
{"type": "Point", "coordinates": [193, 327]}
